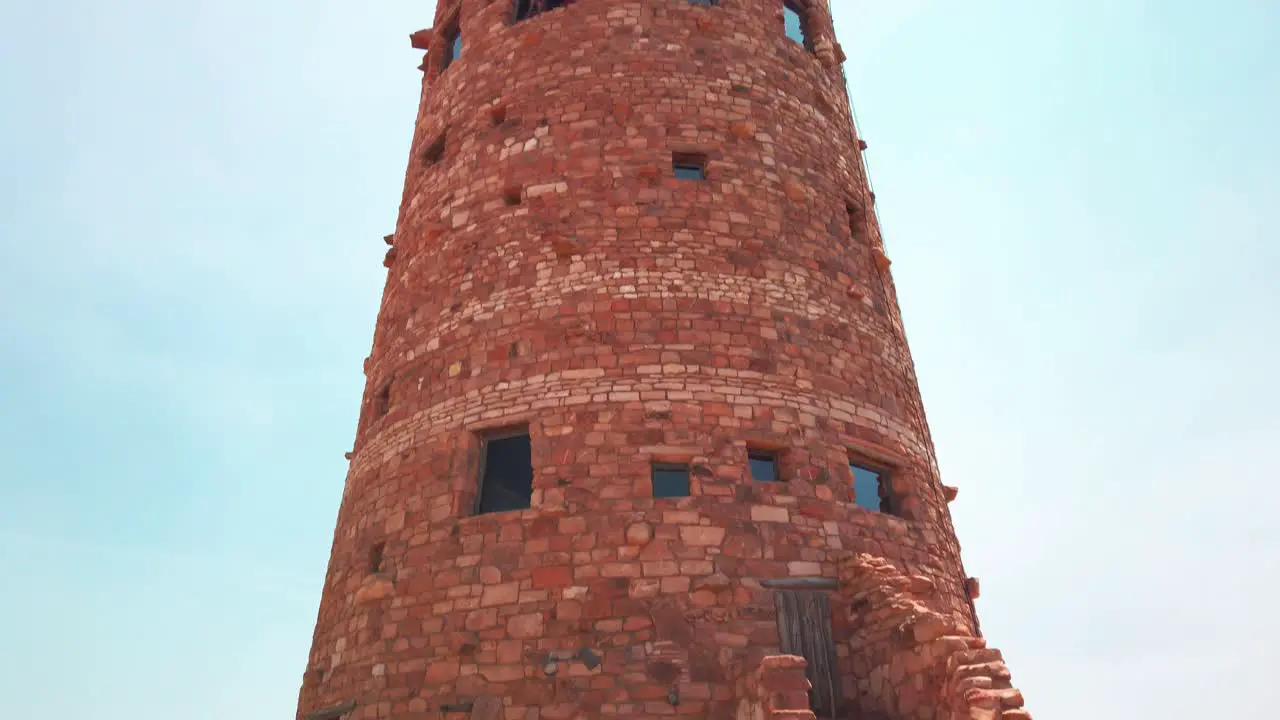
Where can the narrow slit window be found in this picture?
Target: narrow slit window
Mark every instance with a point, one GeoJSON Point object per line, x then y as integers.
{"type": "Point", "coordinates": [871, 488]}
{"type": "Point", "coordinates": [855, 223]}
{"type": "Point", "coordinates": [689, 166]}
{"type": "Point", "coordinates": [764, 465]}
{"type": "Point", "coordinates": [506, 479]}
{"type": "Point", "coordinates": [452, 44]}
{"type": "Point", "coordinates": [526, 9]}
{"type": "Point", "coordinates": [796, 22]}
{"type": "Point", "coordinates": [670, 480]}
{"type": "Point", "coordinates": [382, 401]}
{"type": "Point", "coordinates": [376, 557]}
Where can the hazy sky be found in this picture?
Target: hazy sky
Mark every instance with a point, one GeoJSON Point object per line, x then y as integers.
{"type": "Point", "coordinates": [1080, 199]}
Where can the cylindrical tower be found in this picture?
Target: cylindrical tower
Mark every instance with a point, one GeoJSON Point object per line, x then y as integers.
{"type": "Point", "coordinates": [640, 416]}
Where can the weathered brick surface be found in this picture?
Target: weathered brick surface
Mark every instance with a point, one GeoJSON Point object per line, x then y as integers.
{"type": "Point", "coordinates": [548, 270]}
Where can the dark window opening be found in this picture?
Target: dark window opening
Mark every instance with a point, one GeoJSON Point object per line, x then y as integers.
{"type": "Point", "coordinates": [764, 465]}
{"type": "Point", "coordinates": [796, 21]}
{"type": "Point", "coordinates": [506, 479]}
{"type": "Point", "coordinates": [705, 3]}
{"type": "Point", "coordinates": [804, 629]}
{"type": "Point", "coordinates": [855, 223]}
{"type": "Point", "coordinates": [382, 401]}
{"type": "Point", "coordinates": [670, 480]}
{"type": "Point", "coordinates": [376, 556]}
{"type": "Point", "coordinates": [452, 44]}
{"type": "Point", "coordinates": [689, 166]}
{"type": "Point", "coordinates": [526, 9]}
{"type": "Point", "coordinates": [435, 151]}
{"type": "Point", "coordinates": [871, 488]}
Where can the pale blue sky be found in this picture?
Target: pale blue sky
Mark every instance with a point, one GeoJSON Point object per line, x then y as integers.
{"type": "Point", "coordinates": [1080, 199]}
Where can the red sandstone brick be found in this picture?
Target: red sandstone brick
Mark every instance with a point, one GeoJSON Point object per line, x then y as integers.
{"type": "Point", "coordinates": [552, 577]}
{"type": "Point", "coordinates": [697, 535]}
{"type": "Point", "coordinates": [442, 672]}
{"type": "Point", "coordinates": [525, 626]}
{"type": "Point", "coordinates": [500, 594]}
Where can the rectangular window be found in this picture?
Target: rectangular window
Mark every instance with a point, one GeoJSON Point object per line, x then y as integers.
{"type": "Point", "coordinates": [764, 465]}
{"type": "Point", "coordinates": [526, 9]}
{"type": "Point", "coordinates": [804, 629]}
{"type": "Point", "coordinates": [794, 16]}
{"type": "Point", "coordinates": [452, 44]}
{"type": "Point", "coordinates": [870, 488]}
{"type": "Point", "coordinates": [506, 477]}
{"type": "Point", "coordinates": [689, 166]}
{"type": "Point", "coordinates": [670, 480]}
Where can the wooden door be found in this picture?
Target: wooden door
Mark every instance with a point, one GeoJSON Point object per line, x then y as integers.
{"type": "Point", "coordinates": [804, 627]}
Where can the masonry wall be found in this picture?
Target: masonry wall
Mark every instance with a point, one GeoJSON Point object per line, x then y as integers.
{"type": "Point", "coordinates": [548, 270]}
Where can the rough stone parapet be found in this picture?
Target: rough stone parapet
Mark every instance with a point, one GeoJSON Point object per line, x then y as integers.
{"type": "Point", "coordinates": [913, 660]}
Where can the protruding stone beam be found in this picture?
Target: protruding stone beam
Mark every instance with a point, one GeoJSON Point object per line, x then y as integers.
{"type": "Point", "coordinates": [881, 258]}
{"type": "Point", "coordinates": [421, 40]}
{"type": "Point", "coordinates": [971, 586]}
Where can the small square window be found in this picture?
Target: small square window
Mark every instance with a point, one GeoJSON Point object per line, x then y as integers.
{"type": "Point", "coordinates": [764, 465]}
{"type": "Point", "coordinates": [870, 488]}
{"type": "Point", "coordinates": [506, 480]}
{"type": "Point", "coordinates": [795, 22]}
{"type": "Point", "coordinates": [670, 480]}
{"type": "Point", "coordinates": [688, 166]}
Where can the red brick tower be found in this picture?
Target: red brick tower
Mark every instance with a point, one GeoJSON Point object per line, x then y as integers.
{"type": "Point", "coordinates": [641, 434]}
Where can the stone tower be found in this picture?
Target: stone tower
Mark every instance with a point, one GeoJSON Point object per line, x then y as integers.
{"type": "Point", "coordinates": [641, 434]}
